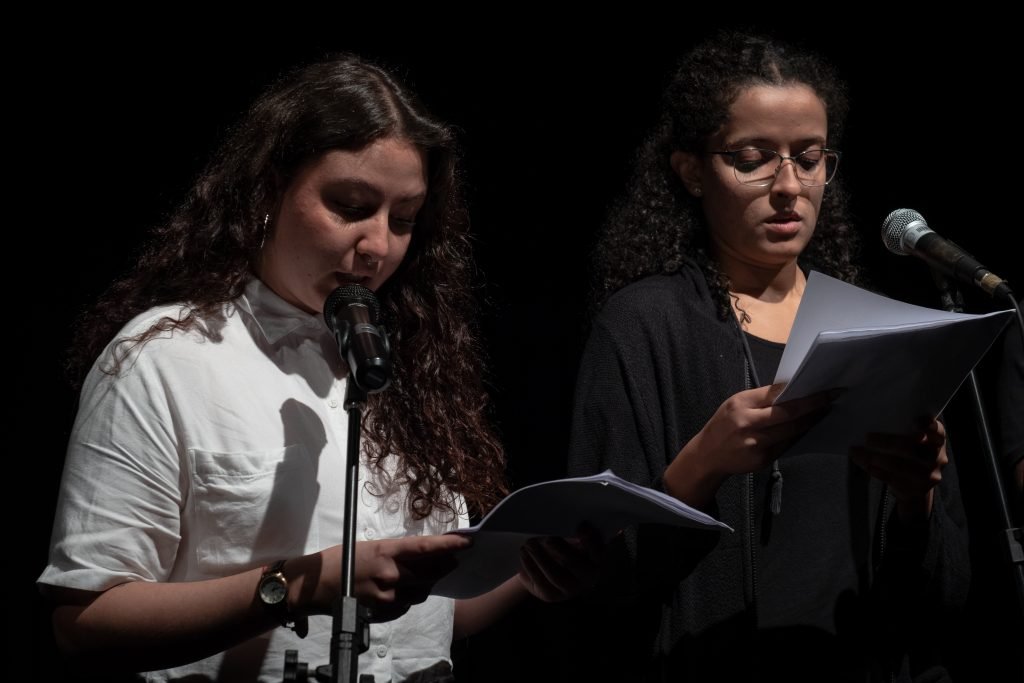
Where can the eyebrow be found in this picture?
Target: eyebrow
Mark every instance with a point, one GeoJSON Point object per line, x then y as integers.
{"type": "Point", "coordinates": [370, 188]}
{"type": "Point", "coordinates": [765, 143]}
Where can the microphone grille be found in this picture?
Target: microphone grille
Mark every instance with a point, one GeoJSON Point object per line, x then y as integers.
{"type": "Point", "coordinates": [896, 225]}
{"type": "Point", "coordinates": [346, 295]}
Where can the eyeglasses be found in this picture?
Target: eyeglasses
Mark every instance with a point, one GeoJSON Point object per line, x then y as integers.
{"type": "Point", "coordinates": [760, 167]}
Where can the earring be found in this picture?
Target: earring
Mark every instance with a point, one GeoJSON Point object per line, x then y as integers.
{"type": "Point", "coordinates": [697, 191]}
{"type": "Point", "coordinates": [263, 236]}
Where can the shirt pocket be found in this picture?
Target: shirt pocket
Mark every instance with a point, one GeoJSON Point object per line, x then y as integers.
{"type": "Point", "coordinates": [253, 507]}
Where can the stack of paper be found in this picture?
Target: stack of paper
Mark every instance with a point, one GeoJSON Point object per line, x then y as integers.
{"type": "Point", "coordinates": [557, 508]}
{"type": "Point", "coordinates": [894, 361]}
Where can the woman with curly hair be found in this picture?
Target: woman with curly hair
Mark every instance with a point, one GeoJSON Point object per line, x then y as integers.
{"type": "Point", "coordinates": [209, 446]}
{"type": "Point", "coordinates": [700, 271]}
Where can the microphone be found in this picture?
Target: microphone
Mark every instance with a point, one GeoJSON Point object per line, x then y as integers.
{"type": "Point", "coordinates": [351, 311]}
{"type": "Point", "coordinates": [906, 232]}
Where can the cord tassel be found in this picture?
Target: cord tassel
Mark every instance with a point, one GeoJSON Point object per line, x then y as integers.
{"type": "Point", "coordinates": [776, 500]}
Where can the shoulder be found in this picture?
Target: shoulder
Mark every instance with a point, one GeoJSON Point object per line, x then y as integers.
{"type": "Point", "coordinates": [659, 302]}
{"type": "Point", "coordinates": [154, 317]}
{"type": "Point", "coordinates": [654, 291]}
{"type": "Point", "coordinates": [155, 337]}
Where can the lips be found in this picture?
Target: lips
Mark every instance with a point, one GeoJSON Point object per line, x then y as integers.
{"type": "Point", "coordinates": [350, 278]}
{"type": "Point", "coordinates": [784, 225]}
{"type": "Point", "coordinates": [786, 217]}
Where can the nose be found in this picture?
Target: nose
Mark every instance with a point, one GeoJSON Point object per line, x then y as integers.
{"type": "Point", "coordinates": [372, 243]}
{"type": "Point", "coordinates": [785, 181]}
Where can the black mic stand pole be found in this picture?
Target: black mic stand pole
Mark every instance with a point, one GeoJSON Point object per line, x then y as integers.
{"type": "Point", "coordinates": [364, 347]}
{"type": "Point", "coordinates": [952, 301]}
{"type": "Point", "coordinates": [350, 632]}
{"type": "Point", "coordinates": [350, 628]}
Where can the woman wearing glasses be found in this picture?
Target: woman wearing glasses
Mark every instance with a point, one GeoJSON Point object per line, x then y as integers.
{"type": "Point", "coordinates": [839, 563]}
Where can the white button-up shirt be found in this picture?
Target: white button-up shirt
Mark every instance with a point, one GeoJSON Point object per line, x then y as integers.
{"type": "Point", "coordinates": [217, 450]}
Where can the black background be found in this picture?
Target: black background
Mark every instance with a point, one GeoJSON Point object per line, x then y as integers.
{"type": "Point", "coordinates": [119, 123]}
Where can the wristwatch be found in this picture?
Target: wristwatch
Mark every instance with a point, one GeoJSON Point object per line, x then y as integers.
{"type": "Point", "coordinates": [273, 593]}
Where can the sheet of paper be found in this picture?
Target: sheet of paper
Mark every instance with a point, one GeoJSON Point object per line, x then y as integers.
{"type": "Point", "coordinates": [894, 362]}
{"type": "Point", "coordinates": [557, 508]}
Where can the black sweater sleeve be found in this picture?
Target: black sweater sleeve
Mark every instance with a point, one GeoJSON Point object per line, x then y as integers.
{"type": "Point", "coordinates": [609, 430]}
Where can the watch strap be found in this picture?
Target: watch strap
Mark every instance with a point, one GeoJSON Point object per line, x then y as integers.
{"type": "Point", "coordinates": [280, 611]}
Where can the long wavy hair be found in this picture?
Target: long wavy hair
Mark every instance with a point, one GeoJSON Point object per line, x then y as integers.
{"type": "Point", "coordinates": [657, 225]}
{"type": "Point", "coordinates": [435, 414]}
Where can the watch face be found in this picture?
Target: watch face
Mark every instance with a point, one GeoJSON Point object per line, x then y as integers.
{"type": "Point", "coordinates": [273, 589]}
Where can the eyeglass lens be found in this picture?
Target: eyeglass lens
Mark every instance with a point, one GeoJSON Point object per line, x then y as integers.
{"type": "Point", "coordinates": [755, 166]}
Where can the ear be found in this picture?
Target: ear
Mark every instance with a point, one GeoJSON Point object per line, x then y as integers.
{"type": "Point", "coordinates": [687, 166]}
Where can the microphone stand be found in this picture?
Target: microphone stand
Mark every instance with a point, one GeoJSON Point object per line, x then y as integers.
{"type": "Point", "coordinates": [952, 301]}
{"type": "Point", "coordinates": [350, 312]}
{"type": "Point", "coordinates": [350, 628]}
{"type": "Point", "coordinates": [350, 632]}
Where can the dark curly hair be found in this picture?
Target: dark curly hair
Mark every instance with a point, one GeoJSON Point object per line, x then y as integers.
{"type": "Point", "coordinates": [657, 224]}
{"type": "Point", "coordinates": [434, 415]}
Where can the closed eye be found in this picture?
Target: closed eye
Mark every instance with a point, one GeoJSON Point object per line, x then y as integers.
{"type": "Point", "coordinates": [750, 159]}
{"type": "Point", "coordinates": [810, 159]}
{"type": "Point", "coordinates": [402, 225]}
{"type": "Point", "coordinates": [354, 213]}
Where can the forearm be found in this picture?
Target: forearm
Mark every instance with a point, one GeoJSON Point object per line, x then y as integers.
{"type": "Point", "coordinates": [926, 569]}
{"type": "Point", "coordinates": [687, 480]}
{"type": "Point", "coordinates": [475, 614]}
{"type": "Point", "coordinates": [146, 625]}
{"type": "Point", "coordinates": [142, 626]}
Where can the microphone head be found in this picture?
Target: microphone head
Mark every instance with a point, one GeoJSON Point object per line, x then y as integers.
{"type": "Point", "coordinates": [896, 225]}
{"type": "Point", "coordinates": [345, 296]}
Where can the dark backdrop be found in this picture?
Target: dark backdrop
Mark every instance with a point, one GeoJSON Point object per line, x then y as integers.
{"type": "Point", "coordinates": [549, 117]}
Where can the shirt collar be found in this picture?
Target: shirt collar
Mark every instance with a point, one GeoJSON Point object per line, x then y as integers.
{"type": "Point", "coordinates": [275, 317]}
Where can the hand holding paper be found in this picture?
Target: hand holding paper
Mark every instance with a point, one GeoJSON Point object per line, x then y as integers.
{"type": "Point", "coordinates": [910, 465]}
{"type": "Point", "coordinates": [554, 568]}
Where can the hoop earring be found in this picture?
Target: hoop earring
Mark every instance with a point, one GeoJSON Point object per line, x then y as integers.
{"type": "Point", "coordinates": [263, 236]}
